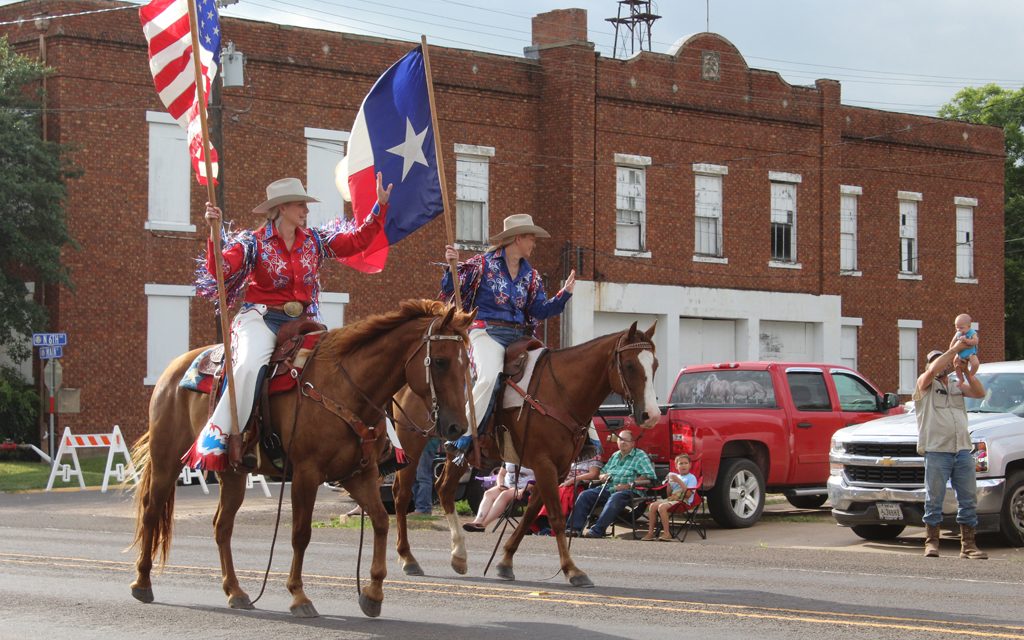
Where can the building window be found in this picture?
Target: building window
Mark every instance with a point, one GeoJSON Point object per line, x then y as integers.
{"type": "Point", "coordinates": [849, 330]}
{"type": "Point", "coordinates": [631, 202]}
{"type": "Point", "coordinates": [332, 309]}
{"type": "Point", "coordinates": [908, 355]}
{"type": "Point", "coordinates": [472, 189]}
{"type": "Point", "coordinates": [167, 326]}
{"type": "Point", "coordinates": [708, 210]}
{"type": "Point", "coordinates": [783, 221]}
{"type": "Point", "coordinates": [965, 237]}
{"type": "Point", "coordinates": [325, 149]}
{"type": "Point", "coordinates": [169, 179]}
{"type": "Point", "coordinates": [908, 231]}
{"type": "Point", "coordinates": [848, 201]}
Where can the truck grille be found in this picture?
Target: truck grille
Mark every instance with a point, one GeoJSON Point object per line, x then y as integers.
{"type": "Point", "coordinates": [882, 449]}
{"type": "Point", "coordinates": [886, 475]}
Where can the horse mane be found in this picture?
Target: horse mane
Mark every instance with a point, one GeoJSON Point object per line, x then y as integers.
{"type": "Point", "coordinates": [339, 342]}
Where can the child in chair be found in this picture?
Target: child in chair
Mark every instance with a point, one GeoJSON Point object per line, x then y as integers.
{"type": "Point", "coordinates": [681, 487]}
{"type": "Point", "coordinates": [967, 336]}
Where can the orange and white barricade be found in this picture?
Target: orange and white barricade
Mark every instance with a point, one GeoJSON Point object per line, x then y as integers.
{"type": "Point", "coordinates": [69, 445]}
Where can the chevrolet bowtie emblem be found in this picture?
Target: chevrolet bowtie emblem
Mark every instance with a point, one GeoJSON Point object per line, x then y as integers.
{"type": "Point", "coordinates": [886, 461]}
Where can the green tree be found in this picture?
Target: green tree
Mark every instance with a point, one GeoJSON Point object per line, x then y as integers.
{"type": "Point", "coordinates": [32, 192]}
{"type": "Point", "coordinates": [993, 105]}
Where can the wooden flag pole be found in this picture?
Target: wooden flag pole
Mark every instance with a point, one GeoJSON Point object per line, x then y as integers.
{"type": "Point", "coordinates": [452, 264]}
{"type": "Point", "coordinates": [211, 196]}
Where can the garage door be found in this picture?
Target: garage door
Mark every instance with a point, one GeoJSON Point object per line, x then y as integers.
{"type": "Point", "coordinates": [791, 341]}
{"type": "Point", "coordinates": [706, 341]}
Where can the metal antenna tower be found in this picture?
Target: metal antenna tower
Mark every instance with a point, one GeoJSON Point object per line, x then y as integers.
{"type": "Point", "coordinates": [638, 23]}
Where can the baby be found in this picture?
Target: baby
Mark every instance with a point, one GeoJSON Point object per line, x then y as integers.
{"type": "Point", "coordinates": [968, 336]}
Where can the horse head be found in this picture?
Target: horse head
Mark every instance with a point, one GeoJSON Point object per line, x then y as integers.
{"type": "Point", "coordinates": [438, 371]}
{"type": "Point", "coordinates": [634, 364]}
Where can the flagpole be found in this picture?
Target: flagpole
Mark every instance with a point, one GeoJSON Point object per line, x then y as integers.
{"type": "Point", "coordinates": [452, 264]}
{"type": "Point", "coordinates": [211, 196]}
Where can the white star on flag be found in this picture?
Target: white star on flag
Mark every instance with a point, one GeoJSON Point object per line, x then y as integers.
{"type": "Point", "coordinates": [412, 149]}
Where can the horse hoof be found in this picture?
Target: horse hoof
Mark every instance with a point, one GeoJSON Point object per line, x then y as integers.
{"type": "Point", "coordinates": [460, 566]}
{"type": "Point", "coordinates": [505, 573]}
{"type": "Point", "coordinates": [581, 580]}
{"type": "Point", "coordinates": [413, 569]}
{"type": "Point", "coordinates": [142, 595]}
{"type": "Point", "coordinates": [306, 610]}
{"type": "Point", "coordinates": [370, 607]}
{"type": "Point", "coordinates": [240, 602]}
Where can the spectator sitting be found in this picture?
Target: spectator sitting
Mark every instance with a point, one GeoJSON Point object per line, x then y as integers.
{"type": "Point", "coordinates": [496, 499]}
{"type": "Point", "coordinates": [681, 484]}
{"type": "Point", "coordinates": [627, 468]}
{"type": "Point", "coordinates": [581, 473]}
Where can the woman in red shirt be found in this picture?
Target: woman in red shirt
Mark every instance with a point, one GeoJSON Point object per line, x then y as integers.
{"type": "Point", "coordinates": [276, 271]}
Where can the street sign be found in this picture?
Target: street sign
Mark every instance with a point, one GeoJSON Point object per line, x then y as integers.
{"type": "Point", "coordinates": [46, 353]}
{"type": "Point", "coordinates": [49, 339]}
{"type": "Point", "coordinates": [52, 374]}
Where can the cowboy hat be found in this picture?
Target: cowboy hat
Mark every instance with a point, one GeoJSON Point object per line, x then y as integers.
{"type": "Point", "coordinates": [282, 191]}
{"type": "Point", "coordinates": [518, 225]}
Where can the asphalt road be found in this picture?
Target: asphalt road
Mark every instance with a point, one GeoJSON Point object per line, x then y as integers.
{"type": "Point", "coordinates": [64, 572]}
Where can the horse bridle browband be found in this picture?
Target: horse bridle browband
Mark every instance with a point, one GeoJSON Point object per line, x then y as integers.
{"type": "Point", "coordinates": [430, 337]}
{"type": "Point", "coordinates": [643, 345]}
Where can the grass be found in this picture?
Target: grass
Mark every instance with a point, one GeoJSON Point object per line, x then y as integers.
{"type": "Point", "coordinates": [352, 522]}
{"type": "Point", "coordinates": [26, 476]}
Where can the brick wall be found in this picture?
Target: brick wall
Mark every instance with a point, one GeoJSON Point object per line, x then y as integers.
{"type": "Point", "coordinates": [555, 118]}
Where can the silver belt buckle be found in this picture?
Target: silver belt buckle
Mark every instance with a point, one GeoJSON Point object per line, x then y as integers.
{"type": "Point", "coordinates": [293, 309]}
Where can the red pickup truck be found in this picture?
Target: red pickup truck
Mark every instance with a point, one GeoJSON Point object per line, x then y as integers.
{"type": "Point", "coordinates": [754, 427]}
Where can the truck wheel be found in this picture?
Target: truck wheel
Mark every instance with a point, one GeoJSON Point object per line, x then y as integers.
{"type": "Point", "coordinates": [738, 497]}
{"type": "Point", "coordinates": [807, 502]}
{"type": "Point", "coordinates": [1011, 518]}
{"type": "Point", "coordinates": [878, 531]}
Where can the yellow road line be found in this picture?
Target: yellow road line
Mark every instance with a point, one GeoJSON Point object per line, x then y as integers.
{"type": "Point", "coordinates": [581, 599]}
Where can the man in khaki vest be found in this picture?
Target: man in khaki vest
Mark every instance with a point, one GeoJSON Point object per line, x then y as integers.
{"type": "Point", "coordinates": [945, 443]}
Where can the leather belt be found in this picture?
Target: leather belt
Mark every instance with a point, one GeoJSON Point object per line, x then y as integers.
{"type": "Point", "coordinates": [292, 308]}
{"type": "Point", "coordinates": [480, 324]}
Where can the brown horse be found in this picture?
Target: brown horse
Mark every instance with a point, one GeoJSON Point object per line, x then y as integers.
{"type": "Point", "coordinates": [355, 371]}
{"type": "Point", "coordinates": [569, 385]}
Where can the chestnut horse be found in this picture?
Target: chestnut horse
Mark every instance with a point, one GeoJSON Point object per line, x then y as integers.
{"type": "Point", "coordinates": [355, 371]}
{"type": "Point", "coordinates": [569, 385]}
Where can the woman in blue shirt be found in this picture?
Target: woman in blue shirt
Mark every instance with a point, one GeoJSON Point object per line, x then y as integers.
{"type": "Point", "coordinates": [509, 297]}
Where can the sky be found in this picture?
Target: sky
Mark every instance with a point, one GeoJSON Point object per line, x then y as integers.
{"type": "Point", "coordinates": [898, 55]}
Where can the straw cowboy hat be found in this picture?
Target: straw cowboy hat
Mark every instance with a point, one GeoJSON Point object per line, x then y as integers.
{"type": "Point", "coordinates": [518, 225]}
{"type": "Point", "coordinates": [282, 191]}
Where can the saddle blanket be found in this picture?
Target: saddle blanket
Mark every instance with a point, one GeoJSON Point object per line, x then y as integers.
{"type": "Point", "coordinates": [511, 398]}
{"type": "Point", "coordinates": [194, 380]}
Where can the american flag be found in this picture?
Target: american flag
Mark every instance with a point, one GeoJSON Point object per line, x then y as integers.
{"type": "Point", "coordinates": [165, 25]}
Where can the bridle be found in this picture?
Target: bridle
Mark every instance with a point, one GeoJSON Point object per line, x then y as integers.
{"type": "Point", "coordinates": [429, 337]}
{"type": "Point", "coordinates": [643, 345]}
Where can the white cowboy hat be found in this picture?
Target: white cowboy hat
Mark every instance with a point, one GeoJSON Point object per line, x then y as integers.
{"type": "Point", "coordinates": [518, 225]}
{"type": "Point", "coordinates": [282, 191]}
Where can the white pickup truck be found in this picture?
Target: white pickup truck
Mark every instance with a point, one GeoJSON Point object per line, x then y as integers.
{"type": "Point", "coordinates": [876, 484]}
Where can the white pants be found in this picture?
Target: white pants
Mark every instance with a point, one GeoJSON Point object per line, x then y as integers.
{"type": "Point", "coordinates": [488, 359]}
{"type": "Point", "coordinates": [252, 344]}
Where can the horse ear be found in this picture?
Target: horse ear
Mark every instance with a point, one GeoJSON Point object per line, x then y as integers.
{"type": "Point", "coordinates": [632, 332]}
{"type": "Point", "coordinates": [448, 316]}
{"type": "Point", "coordinates": [471, 317]}
{"type": "Point", "coordinates": [650, 332]}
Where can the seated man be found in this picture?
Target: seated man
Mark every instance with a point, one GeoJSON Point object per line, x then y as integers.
{"type": "Point", "coordinates": [626, 469]}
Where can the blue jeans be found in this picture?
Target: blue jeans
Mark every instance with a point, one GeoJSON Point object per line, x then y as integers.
{"type": "Point", "coordinates": [593, 497]}
{"type": "Point", "coordinates": [423, 489]}
{"type": "Point", "coordinates": [958, 470]}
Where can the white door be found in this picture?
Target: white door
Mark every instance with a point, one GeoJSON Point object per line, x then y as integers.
{"type": "Point", "coordinates": [788, 341]}
{"type": "Point", "coordinates": [706, 341]}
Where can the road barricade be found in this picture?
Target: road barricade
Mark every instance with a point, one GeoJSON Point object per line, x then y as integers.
{"type": "Point", "coordinates": [69, 445]}
{"type": "Point", "coordinates": [188, 475]}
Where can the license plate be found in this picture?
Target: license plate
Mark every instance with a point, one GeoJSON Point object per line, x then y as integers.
{"type": "Point", "coordinates": [889, 511]}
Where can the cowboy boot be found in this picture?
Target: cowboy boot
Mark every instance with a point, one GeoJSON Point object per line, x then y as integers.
{"type": "Point", "coordinates": [968, 547]}
{"type": "Point", "coordinates": [931, 541]}
{"type": "Point", "coordinates": [235, 449]}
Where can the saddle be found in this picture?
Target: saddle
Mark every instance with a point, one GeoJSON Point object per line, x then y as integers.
{"type": "Point", "coordinates": [516, 356]}
{"type": "Point", "coordinates": [295, 342]}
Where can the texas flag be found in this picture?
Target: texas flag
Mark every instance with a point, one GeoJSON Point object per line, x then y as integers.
{"type": "Point", "coordinates": [393, 135]}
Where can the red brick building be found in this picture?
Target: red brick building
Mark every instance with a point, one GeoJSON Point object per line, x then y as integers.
{"type": "Point", "coordinates": [751, 218]}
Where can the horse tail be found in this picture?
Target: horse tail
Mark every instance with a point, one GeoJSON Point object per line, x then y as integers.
{"type": "Point", "coordinates": [160, 539]}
